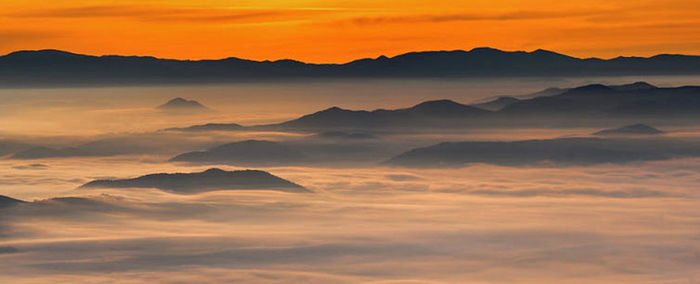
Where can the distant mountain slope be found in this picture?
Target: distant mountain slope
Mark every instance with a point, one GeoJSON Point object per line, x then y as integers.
{"type": "Point", "coordinates": [563, 151]}
{"type": "Point", "coordinates": [210, 127]}
{"type": "Point", "coordinates": [497, 104]}
{"type": "Point", "coordinates": [102, 147]}
{"type": "Point", "coordinates": [345, 136]}
{"type": "Point", "coordinates": [180, 104]}
{"type": "Point", "coordinates": [634, 129]}
{"type": "Point", "coordinates": [9, 147]}
{"type": "Point", "coordinates": [250, 152]}
{"type": "Point", "coordinates": [421, 115]}
{"type": "Point", "coordinates": [209, 180]}
{"type": "Point", "coordinates": [54, 67]}
{"type": "Point", "coordinates": [638, 99]}
{"type": "Point", "coordinates": [8, 201]}
{"type": "Point", "coordinates": [559, 106]}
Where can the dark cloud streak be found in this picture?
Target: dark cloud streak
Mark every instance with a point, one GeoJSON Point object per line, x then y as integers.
{"type": "Point", "coordinates": [159, 14]}
{"type": "Point", "coordinates": [463, 17]}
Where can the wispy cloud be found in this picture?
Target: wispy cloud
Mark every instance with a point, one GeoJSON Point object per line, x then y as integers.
{"type": "Point", "coordinates": [472, 16]}
{"type": "Point", "coordinates": [572, 192]}
{"type": "Point", "coordinates": [23, 35]}
{"type": "Point", "coordinates": [162, 14]}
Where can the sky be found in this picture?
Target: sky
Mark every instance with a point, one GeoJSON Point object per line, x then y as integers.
{"type": "Point", "coordinates": [342, 30]}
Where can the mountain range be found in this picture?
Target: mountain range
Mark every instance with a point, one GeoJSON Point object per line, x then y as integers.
{"type": "Point", "coordinates": [557, 151]}
{"type": "Point", "coordinates": [586, 104]}
{"type": "Point", "coordinates": [182, 105]}
{"type": "Point", "coordinates": [249, 152]}
{"type": "Point", "coordinates": [209, 180]}
{"type": "Point", "coordinates": [8, 201]}
{"type": "Point", "coordinates": [630, 130]}
{"type": "Point", "coordinates": [55, 67]}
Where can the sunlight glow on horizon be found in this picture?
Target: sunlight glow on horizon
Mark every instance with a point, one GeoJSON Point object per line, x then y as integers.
{"type": "Point", "coordinates": [338, 31]}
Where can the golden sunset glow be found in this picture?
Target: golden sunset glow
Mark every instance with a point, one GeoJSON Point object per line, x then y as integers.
{"type": "Point", "coordinates": [483, 154]}
{"type": "Point", "coordinates": [338, 31]}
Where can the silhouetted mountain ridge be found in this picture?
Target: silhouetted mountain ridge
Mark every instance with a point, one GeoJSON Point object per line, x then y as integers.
{"type": "Point", "coordinates": [54, 67]}
{"type": "Point", "coordinates": [423, 114]}
{"type": "Point", "coordinates": [595, 102]}
{"type": "Point", "coordinates": [180, 104]}
{"type": "Point", "coordinates": [634, 129]}
{"type": "Point", "coordinates": [209, 180]}
{"type": "Point", "coordinates": [638, 99]}
{"type": "Point", "coordinates": [8, 201]}
{"type": "Point", "coordinates": [559, 151]}
{"type": "Point", "coordinates": [496, 104]}
{"type": "Point", "coordinates": [249, 152]}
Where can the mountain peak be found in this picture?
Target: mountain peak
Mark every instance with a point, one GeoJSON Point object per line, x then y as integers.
{"type": "Point", "coordinates": [60, 68]}
{"type": "Point", "coordinates": [8, 201]}
{"type": "Point", "coordinates": [637, 86]}
{"type": "Point", "coordinates": [182, 104]}
{"type": "Point", "coordinates": [42, 52]}
{"type": "Point", "coordinates": [592, 88]}
{"type": "Point", "coordinates": [485, 50]}
{"type": "Point", "coordinates": [437, 103]}
{"type": "Point", "coordinates": [334, 109]}
{"type": "Point", "coordinates": [209, 180]}
{"type": "Point", "coordinates": [444, 108]}
{"type": "Point", "coordinates": [214, 170]}
{"type": "Point", "coordinates": [634, 129]}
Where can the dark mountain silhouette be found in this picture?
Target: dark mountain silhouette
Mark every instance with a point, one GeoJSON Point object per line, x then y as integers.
{"type": "Point", "coordinates": [210, 127]}
{"type": "Point", "coordinates": [562, 151]}
{"type": "Point", "coordinates": [6, 202]}
{"type": "Point", "coordinates": [428, 113]}
{"type": "Point", "coordinates": [638, 99]}
{"type": "Point", "coordinates": [544, 93]}
{"type": "Point", "coordinates": [180, 104]}
{"type": "Point", "coordinates": [583, 105]}
{"type": "Point", "coordinates": [209, 180]}
{"type": "Point", "coordinates": [250, 152]}
{"type": "Point", "coordinates": [41, 152]}
{"type": "Point", "coordinates": [345, 135]}
{"type": "Point", "coordinates": [424, 114]}
{"type": "Point", "coordinates": [31, 167]}
{"type": "Point", "coordinates": [53, 67]}
{"type": "Point", "coordinates": [7, 250]}
{"type": "Point", "coordinates": [103, 147]}
{"type": "Point", "coordinates": [634, 129]}
{"type": "Point", "coordinates": [342, 150]}
{"type": "Point", "coordinates": [9, 147]}
{"type": "Point", "coordinates": [496, 104]}
{"type": "Point", "coordinates": [638, 86]}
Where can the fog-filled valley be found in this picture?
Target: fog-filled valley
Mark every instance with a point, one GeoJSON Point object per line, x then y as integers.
{"type": "Point", "coordinates": [343, 181]}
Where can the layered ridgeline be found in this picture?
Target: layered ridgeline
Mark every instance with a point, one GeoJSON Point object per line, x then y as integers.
{"type": "Point", "coordinates": [182, 105]}
{"type": "Point", "coordinates": [6, 202]}
{"type": "Point", "coordinates": [54, 67]}
{"type": "Point", "coordinates": [249, 152]}
{"type": "Point", "coordinates": [580, 106]}
{"type": "Point", "coordinates": [558, 152]}
{"type": "Point", "coordinates": [638, 129]}
{"type": "Point", "coordinates": [209, 180]}
{"type": "Point", "coordinates": [9, 147]}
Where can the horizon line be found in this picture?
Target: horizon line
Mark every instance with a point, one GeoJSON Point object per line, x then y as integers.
{"type": "Point", "coordinates": [342, 63]}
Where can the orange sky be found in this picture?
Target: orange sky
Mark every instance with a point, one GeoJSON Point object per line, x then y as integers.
{"type": "Point", "coordinates": [342, 30]}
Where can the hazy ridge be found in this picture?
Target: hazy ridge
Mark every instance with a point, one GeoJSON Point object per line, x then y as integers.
{"type": "Point", "coordinates": [57, 68]}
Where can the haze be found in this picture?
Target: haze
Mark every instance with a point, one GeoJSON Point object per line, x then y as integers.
{"type": "Point", "coordinates": [385, 141]}
{"type": "Point", "coordinates": [362, 222]}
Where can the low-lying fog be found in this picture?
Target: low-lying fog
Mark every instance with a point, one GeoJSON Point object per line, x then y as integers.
{"type": "Point", "coordinates": [636, 221]}
{"type": "Point", "coordinates": [90, 111]}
